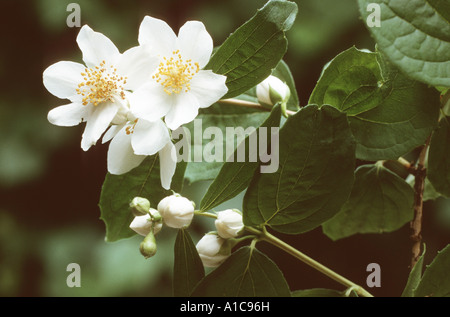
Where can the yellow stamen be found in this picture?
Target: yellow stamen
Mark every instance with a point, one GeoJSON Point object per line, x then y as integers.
{"type": "Point", "coordinates": [174, 74]}
{"type": "Point", "coordinates": [102, 85]}
{"type": "Point", "coordinates": [130, 129]}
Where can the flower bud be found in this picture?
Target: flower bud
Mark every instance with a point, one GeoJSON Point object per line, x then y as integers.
{"type": "Point", "coordinates": [148, 245]}
{"type": "Point", "coordinates": [176, 211]}
{"type": "Point", "coordinates": [139, 206]}
{"type": "Point", "coordinates": [272, 91]}
{"type": "Point", "coordinates": [143, 224]}
{"type": "Point", "coordinates": [229, 223]}
{"type": "Point", "coordinates": [213, 250]}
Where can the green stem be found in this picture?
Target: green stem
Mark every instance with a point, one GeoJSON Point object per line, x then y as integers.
{"type": "Point", "coordinates": [205, 214]}
{"type": "Point", "coordinates": [266, 236]}
{"type": "Point", "coordinates": [249, 104]}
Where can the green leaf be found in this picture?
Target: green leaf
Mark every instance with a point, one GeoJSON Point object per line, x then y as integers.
{"type": "Point", "coordinates": [246, 273]}
{"type": "Point", "coordinates": [315, 176]}
{"type": "Point", "coordinates": [218, 116]}
{"type": "Point", "coordinates": [436, 280]}
{"type": "Point", "coordinates": [380, 202]}
{"type": "Point", "coordinates": [350, 82]}
{"type": "Point", "coordinates": [389, 114]}
{"type": "Point", "coordinates": [442, 7]}
{"type": "Point", "coordinates": [317, 292]}
{"type": "Point", "coordinates": [415, 35]}
{"type": "Point", "coordinates": [438, 171]}
{"type": "Point", "coordinates": [248, 55]}
{"type": "Point", "coordinates": [187, 268]}
{"type": "Point", "coordinates": [429, 193]}
{"type": "Point", "coordinates": [414, 276]}
{"type": "Point", "coordinates": [235, 176]}
{"type": "Point", "coordinates": [119, 190]}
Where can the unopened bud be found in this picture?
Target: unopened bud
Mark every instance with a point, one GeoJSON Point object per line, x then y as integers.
{"type": "Point", "coordinates": [156, 216]}
{"type": "Point", "coordinates": [144, 224]}
{"type": "Point", "coordinates": [139, 206]}
{"type": "Point", "coordinates": [229, 223]}
{"type": "Point", "coordinates": [272, 91]}
{"type": "Point", "coordinates": [176, 211]}
{"type": "Point", "coordinates": [213, 250]}
{"type": "Point", "coordinates": [148, 245]}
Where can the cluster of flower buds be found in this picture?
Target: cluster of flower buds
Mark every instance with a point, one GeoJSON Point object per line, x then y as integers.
{"type": "Point", "coordinates": [174, 211]}
{"type": "Point", "coordinates": [147, 222]}
{"type": "Point", "coordinates": [215, 247]}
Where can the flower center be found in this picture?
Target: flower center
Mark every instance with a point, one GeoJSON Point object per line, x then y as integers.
{"type": "Point", "coordinates": [101, 84]}
{"type": "Point", "coordinates": [174, 74]}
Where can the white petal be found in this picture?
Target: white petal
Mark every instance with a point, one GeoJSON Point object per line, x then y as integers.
{"type": "Point", "coordinates": [195, 42]}
{"type": "Point", "coordinates": [184, 110]}
{"type": "Point", "coordinates": [96, 47]}
{"type": "Point", "coordinates": [99, 119]}
{"type": "Point", "coordinates": [68, 115]}
{"type": "Point", "coordinates": [208, 87]}
{"type": "Point", "coordinates": [123, 109]}
{"type": "Point", "coordinates": [111, 133]}
{"type": "Point", "coordinates": [168, 164]}
{"type": "Point", "coordinates": [150, 102]}
{"type": "Point", "coordinates": [121, 158]}
{"type": "Point", "coordinates": [138, 65]}
{"type": "Point", "coordinates": [62, 79]}
{"type": "Point", "coordinates": [149, 137]}
{"type": "Point", "coordinates": [158, 35]}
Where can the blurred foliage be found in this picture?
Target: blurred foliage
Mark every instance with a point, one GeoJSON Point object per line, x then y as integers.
{"type": "Point", "coordinates": [49, 187]}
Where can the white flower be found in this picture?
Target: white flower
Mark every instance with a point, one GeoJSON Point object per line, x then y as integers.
{"type": "Point", "coordinates": [271, 91]}
{"type": "Point", "coordinates": [134, 141]}
{"type": "Point", "coordinates": [99, 90]}
{"type": "Point", "coordinates": [176, 211]}
{"type": "Point", "coordinates": [180, 86]}
{"type": "Point", "coordinates": [143, 225]}
{"type": "Point", "coordinates": [211, 250]}
{"type": "Point", "coordinates": [229, 223]}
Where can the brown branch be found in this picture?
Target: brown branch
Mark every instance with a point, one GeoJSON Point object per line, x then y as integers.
{"type": "Point", "coordinates": [419, 186]}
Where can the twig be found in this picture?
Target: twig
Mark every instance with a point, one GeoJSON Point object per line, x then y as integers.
{"type": "Point", "coordinates": [248, 104]}
{"type": "Point", "coordinates": [419, 186]}
{"type": "Point", "coordinates": [266, 236]}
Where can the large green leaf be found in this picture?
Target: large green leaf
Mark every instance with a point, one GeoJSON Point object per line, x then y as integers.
{"type": "Point", "coordinates": [438, 170]}
{"type": "Point", "coordinates": [415, 35]}
{"type": "Point", "coordinates": [315, 177]}
{"type": "Point", "coordinates": [187, 266]}
{"type": "Point", "coordinates": [414, 276]}
{"type": "Point", "coordinates": [119, 190]}
{"type": "Point", "coordinates": [246, 273]}
{"type": "Point", "coordinates": [436, 280]}
{"type": "Point", "coordinates": [219, 116]}
{"type": "Point", "coordinates": [380, 202]}
{"type": "Point", "coordinates": [249, 54]}
{"type": "Point", "coordinates": [389, 114]}
{"type": "Point", "coordinates": [235, 176]}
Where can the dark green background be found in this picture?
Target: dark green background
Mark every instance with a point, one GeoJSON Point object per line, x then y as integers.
{"type": "Point", "coordinates": [50, 188]}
